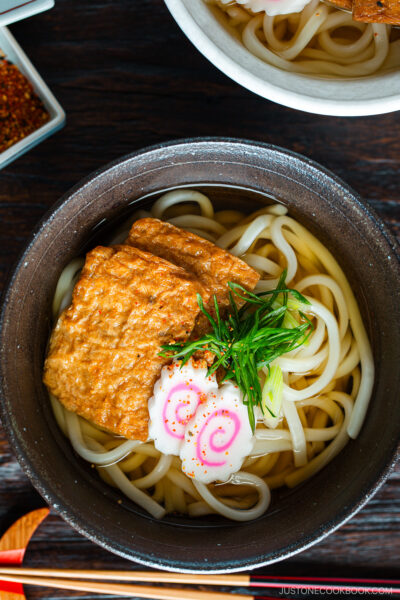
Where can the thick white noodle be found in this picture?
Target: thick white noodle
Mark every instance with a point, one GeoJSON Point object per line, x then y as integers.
{"type": "Point", "coordinates": [91, 449]}
{"type": "Point", "coordinates": [325, 280]}
{"type": "Point", "coordinates": [296, 432]}
{"type": "Point", "coordinates": [129, 489]}
{"type": "Point", "coordinates": [179, 479]}
{"type": "Point", "coordinates": [159, 471]}
{"type": "Point", "coordinates": [349, 363]}
{"type": "Point", "coordinates": [287, 251]}
{"type": "Point", "coordinates": [58, 410]}
{"type": "Point", "coordinates": [336, 445]}
{"type": "Point", "coordinates": [327, 375]}
{"type": "Point", "coordinates": [315, 341]}
{"type": "Point", "coordinates": [63, 293]}
{"type": "Point", "coordinates": [262, 264]}
{"type": "Point", "coordinates": [266, 285]}
{"type": "Point", "coordinates": [262, 447]}
{"type": "Point", "coordinates": [304, 364]}
{"type": "Point", "coordinates": [311, 42]}
{"type": "Point", "coordinates": [240, 478]}
{"type": "Point", "coordinates": [185, 195]}
{"type": "Point", "coordinates": [312, 434]}
{"type": "Point", "coordinates": [251, 233]}
{"type": "Point", "coordinates": [101, 458]}
{"type": "Point", "coordinates": [198, 222]}
{"type": "Point", "coordinates": [357, 325]}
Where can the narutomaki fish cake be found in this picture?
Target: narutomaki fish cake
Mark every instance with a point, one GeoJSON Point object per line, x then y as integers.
{"type": "Point", "coordinates": [213, 266]}
{"type": "Point", "coordinates": [103, 356]}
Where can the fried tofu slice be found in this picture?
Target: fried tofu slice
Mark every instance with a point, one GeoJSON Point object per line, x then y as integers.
{"type": "Point", "coordinates": [212, 266]}
{"type": "Point", "coordinates": [103, 358]}
{"type": "Point", "coordinates": [377, 11]}
{"type": "Point", "coordinates": [346, 4]}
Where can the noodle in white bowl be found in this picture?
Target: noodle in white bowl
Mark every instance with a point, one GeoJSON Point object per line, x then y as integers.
{"type": "Point", "coordinates": [327, 383]}
{"type": "Point", "coordinates": [318, 40]}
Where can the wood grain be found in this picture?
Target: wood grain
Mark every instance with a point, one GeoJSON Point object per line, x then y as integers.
{"type": "Point", "coordinates": [18, 535]}
{"type": "Point", "coordinates": [13, 545]}
{"type": "Point", "coordinates": [128, 78]}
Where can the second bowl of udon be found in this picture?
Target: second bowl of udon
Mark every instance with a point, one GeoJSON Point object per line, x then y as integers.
{"type": "Point", "coordinates": [226, 253]}
{"type": "Point", "coordinates": [317, 60]}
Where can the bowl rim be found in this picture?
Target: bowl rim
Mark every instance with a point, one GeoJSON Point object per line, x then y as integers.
{"type": "Point", "coordinates": [54, 499]}
{"type": "Point", "coordinates": [270, 91]}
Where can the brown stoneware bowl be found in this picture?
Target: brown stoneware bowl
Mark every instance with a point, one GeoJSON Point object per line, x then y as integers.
{"type": "Point", "coordinates": [236, 174]}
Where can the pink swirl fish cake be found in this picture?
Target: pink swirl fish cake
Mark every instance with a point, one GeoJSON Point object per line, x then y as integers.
{"type": "Point", "coordinates": [218, 438]}
{"type": "Point", "coordinates": [176, 397]}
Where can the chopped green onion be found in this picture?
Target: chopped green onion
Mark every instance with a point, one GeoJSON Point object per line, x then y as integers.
{"type": "Point", "coordinates": [289, 321]}
{"type": "Point", "coordinates": [272, 392]}
{"type": "Point", "coordinates": [295, 304]}
{"type": "Point", "coordinates": [250, 339]}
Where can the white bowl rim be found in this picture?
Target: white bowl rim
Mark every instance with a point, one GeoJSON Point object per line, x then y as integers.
{"type": "Point", "coordinates": [300, 101]}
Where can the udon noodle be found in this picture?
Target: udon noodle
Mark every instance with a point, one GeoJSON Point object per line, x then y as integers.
{"type": "Point", "coordinates": [319, 40]}
{"type": "Point", "coordinates": [327, 382]}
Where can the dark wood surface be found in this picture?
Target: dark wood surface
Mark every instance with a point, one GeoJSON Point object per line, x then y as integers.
{"type": "Point", "coordinates": [127, 77]}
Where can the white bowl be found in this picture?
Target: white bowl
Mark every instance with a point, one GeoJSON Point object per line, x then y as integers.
{"type": "Point", "coordinates": [15, 10]}
{"type": "Point", "coordinates": [372, 95]}
{"type": "Point", "coordinates": [16, 55]}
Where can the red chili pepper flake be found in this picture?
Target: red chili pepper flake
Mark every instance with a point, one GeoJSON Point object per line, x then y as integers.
{"type": "Point", "coordinates": [21, 110]}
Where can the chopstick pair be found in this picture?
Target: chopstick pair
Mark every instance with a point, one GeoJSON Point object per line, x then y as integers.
{"type": "Point", "coordinates": [120, 589]}
{"type": "Point", "coordinates": [84, 580]}
{"type": "Point", "coordinates": [15, 541]}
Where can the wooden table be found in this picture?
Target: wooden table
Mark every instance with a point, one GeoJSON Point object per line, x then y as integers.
{"type": "Point", "coordinates": [127, 77]}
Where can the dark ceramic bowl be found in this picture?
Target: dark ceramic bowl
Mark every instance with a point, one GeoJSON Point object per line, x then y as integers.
{"type": "Point", "coordinates": [236, 174]}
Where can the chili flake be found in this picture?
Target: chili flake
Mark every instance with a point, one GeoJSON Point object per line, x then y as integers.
{"type": "Point", "coordinates": [21, 110]}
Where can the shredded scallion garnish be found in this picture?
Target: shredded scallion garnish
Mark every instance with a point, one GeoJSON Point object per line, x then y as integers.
{"type": "Point", "coordinates": [250, 338]}
{"type": "Point", "coordinates": [272, 392]}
